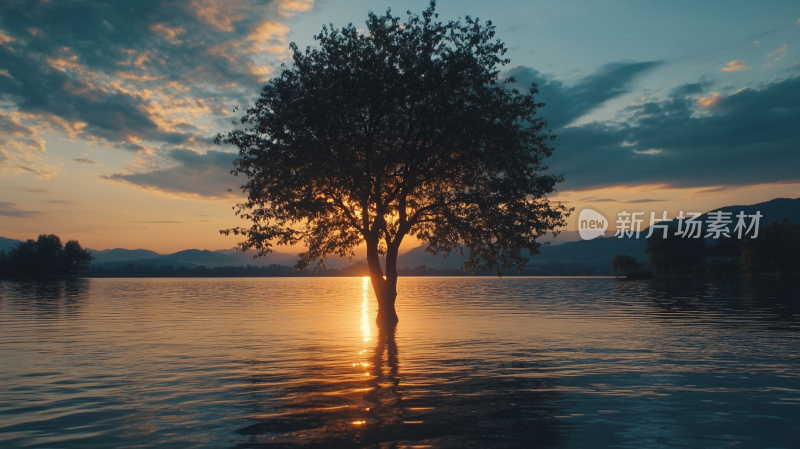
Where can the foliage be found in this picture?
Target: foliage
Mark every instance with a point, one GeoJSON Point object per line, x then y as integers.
{"type": "Point", "coordinates": [45, 257]}
{"type": "Point", "coordinates": [674, 255]}
{"type": "Point", "coordinates": [404, 130]}
{"type": "Point", "coordinates": [776, 249]}
{"type": "Point", "coordinates": [724, 247]}
{"type": "Point", "coordinates": [623, 264]}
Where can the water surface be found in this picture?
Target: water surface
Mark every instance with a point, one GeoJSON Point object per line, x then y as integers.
{"type": "Point", "coordinates": [474, 362]}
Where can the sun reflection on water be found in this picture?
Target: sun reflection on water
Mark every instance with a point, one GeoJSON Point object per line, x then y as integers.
{"type": "Point", "coordinates": [365, 329]}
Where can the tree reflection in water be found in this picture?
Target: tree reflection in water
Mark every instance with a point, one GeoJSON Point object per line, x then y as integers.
{"type": "Point", "coordinates": [458, 403]}
{"type": "Point", "coordinates": [47, 298]}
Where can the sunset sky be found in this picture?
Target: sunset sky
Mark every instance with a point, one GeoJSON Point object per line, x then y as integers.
{"type": "Point", "coordinates": [108, 109]}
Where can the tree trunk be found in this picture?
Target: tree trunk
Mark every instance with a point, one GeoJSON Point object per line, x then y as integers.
{"type": "Point", "coordinates": [385, 287]}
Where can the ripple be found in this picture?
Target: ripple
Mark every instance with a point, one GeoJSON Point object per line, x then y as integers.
{"type": "Point", "coordinates": [474, 362]}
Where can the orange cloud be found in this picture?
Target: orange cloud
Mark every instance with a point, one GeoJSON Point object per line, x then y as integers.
{"type": "Point", "coordinates": [265, 32]}
{"type": "Point", "coordinates": [262, 71]}
{"type": "Point", "coordinates": [735, 66]}
{"type": "Point", "coordinates": [709, 102]}
{"type": "Point", "coordinates": [268, 30]}
{"type": "Point", "coordinates": [21, 147]}
{"type": "Point", "coordinates": [776, 55]}
{"type": "Point", "coordinates": [5, 39]}
{"type": "Point", "coordinates": [140, 78]}
{"type": "Point", "coordinates": [167, 32]}
{"type": "Point", "coordinates": [288, 8]}
{"type": "Point", "coordinates": [217, 13]}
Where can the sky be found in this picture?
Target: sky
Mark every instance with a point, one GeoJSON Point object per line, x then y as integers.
{"type": "Point", "coordinates": [108, 109]}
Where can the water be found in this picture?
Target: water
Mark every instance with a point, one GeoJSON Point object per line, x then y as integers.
{"type": "Point", "coordinates": [474, 362]}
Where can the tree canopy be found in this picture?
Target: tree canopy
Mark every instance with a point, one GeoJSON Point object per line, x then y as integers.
{"type": "Point", "coordinates": [623, 264]}
{"type": "Point", "coordinates": [674, 255]}
{"type": "Point", "coordinates": [776, 249]}
{"type": "Point", "coordinates": [404, 129]}
{"type": "Point", "coordinates": [45, 256]}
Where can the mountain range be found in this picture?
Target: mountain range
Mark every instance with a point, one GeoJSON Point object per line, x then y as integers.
{"type": "Point", "coordinates": [563, 255]}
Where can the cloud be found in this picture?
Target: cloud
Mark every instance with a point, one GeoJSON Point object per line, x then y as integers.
{"type": "Point", "coordinates": [710, 101]}
{"type": "Point", "coordinates": [268, 30]}
{"type": "Point", "coordinates": [735, 66]}
{"type": "Point", "coordinates": [188, 174]}
{"type": "Point", "coordinates": [168, 33]}
{"type": "Point", "coordinates": [217, 13]}
{"type": "Point", "coordinates": [748, 137]}
{"type": "Point", "coordinates": [155, 74]}
{"type": "Point", "coordinates": [81, 160]}
{"type": "Point", "coordinates": [565, 104]}
{"type": "Point", "coordinates": [288, 8]}
{"type": "Point", "coordinates": [775, 56]}
{"type": "Point", "coordinates": [612, 200]}
{"type": "Point", "coordinates": [12, 210]}
{"type": "Point", "coordinates": [779, 52]}
{"type": "Point", "coordinates": [644, 200]}
{"type": "Point", "coordinates": [21, 147]}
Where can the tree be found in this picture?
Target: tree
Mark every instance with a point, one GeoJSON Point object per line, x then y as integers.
{"type": "Point", "coordinates": [776, 249]}
{"type": "Point", "coordinates": [624, 264]}
{"type": "Point", "coordinates": [674, 254]}
{"type": "Point", "coordinates": [405, 130]}
{"type": "Point", "coordinates": [74, 259]}
{"type": "Point", "coordinates": [45, 256]}
{"type": "Point", "coordinates": [725, 247]}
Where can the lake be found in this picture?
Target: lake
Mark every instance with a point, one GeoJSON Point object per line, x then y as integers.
{"type": "Point", "coordinates": [474, 362]}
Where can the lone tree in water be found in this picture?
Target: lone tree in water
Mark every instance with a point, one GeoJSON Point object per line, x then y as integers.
{"type": "Point", "coordinates": [405, 130]}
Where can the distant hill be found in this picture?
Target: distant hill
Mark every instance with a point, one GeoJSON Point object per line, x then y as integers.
{"type": "Point", "coordinates": [276, 258]}
{"type": "Point", "coordinates": [8, 244]}
{"type": "Point", "coordinates": [773, 210]}
{"type": "Point", "coordinates": [596, 254]}
{"type": "Point", "coordinates": [195, 257]}
{"type": "Point", "coordinates": [417, 256]}
{"type": "Point", "coordinates": [597, 251]}
{"type": "Point", "coordinates": [121, 254]}
{"type": "Point", "coordinates": [563, 255]}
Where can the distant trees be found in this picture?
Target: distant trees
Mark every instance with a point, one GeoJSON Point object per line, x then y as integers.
{"type": "Point", "coordinates": [674, 255]}
{"type": "Point", "coordinates": [724, 247]}
{"type": "Point", "coordinates": [45, 256]}
{"type": "Point", "coordinates": [776, 249]}
{"type": "Point", "coordinates": [623, 264]}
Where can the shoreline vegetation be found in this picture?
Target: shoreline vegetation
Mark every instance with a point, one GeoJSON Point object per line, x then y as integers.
{"type": "Point", "coordinates": [357, 270]}
{"type": "Point", "coordinates": [775, 252]}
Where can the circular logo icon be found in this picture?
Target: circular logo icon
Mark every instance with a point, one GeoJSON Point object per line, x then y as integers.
{"type": "Point", "coordinates": [591, 224]}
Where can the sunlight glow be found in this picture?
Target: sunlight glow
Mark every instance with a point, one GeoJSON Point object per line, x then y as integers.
{"type": "Point", "coordinates": [364, 313]}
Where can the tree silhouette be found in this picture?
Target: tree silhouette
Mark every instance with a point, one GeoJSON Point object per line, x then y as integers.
{"type": "Point", "coordinates": [406, 129]}
{"type": "Point", "coordinates": [45, 256]}
{"type": "Point", "coordinates": [624, 264]}
{"type": "Point", "coordinates": [674, 254]}
{"type": "Point", "coordinates": [776, 249]}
